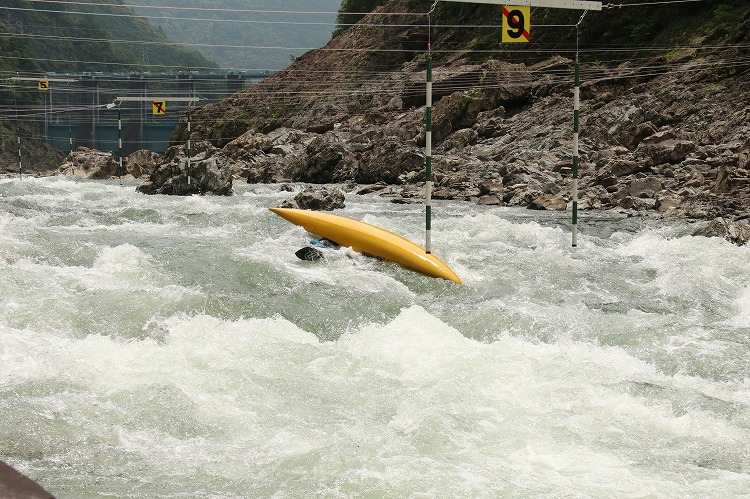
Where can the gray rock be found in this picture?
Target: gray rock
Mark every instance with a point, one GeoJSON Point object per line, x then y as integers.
{"type": "Point", "coordinates": [489, 200]}
{"type": "Point", "coordinates": [734, 232]}
{"type": "Point", "coordinates": [326, 198]}
{"type": "Point", "coordinates": [319, 162]}
{"type": "Point", "coordinates": [668, 203]}
{"type": "Point", "coordinates": [548, 202]}
{"type": "Point", "coordinates": [209, 172]}
{"type": "Point", "coordinates": [141, 163]}
{"type": "Point", "coordinates": [90, 163]}
{"type": "Point", "coordinates": [387, 161]}
{"type": "Point", "coordinates": [644, 187]}
{"type": "Point", "coordinates": [249, 141]}
{"type": "Point", "coordinates": [667, 151]}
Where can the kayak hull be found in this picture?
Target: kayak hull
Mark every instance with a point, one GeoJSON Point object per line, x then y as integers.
{"type": "Point", "coordinates": [369, 240]}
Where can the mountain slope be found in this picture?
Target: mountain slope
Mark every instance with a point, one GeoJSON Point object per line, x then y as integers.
{"type": "Point", "coordinates": [264, 34]}
{"type": "Point", "coordinates": [664, 109]}
{"type": "Point", "coordinates": [382, 44]}
{"type": "Point", "coordinates": [103, 37]}
{"type": "Point", "coordinates": [55, 37]}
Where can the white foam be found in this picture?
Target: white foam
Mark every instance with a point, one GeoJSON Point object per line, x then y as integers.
{"type": "Point", "coordinates": [617, 369]}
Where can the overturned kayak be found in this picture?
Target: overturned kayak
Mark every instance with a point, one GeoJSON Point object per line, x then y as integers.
{"type": "Point", "coordinates": [369, 240]}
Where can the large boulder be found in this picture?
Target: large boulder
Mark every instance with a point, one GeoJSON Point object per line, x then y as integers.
{"type": "Point", "coordinates": [142, 163]}
{"type": "Point", "coordinates": [248, 144]}
{"type": "Point", "coordinates": [387, 161]}
{"type": "Point", "coordinates": [319, 162]}
{"type": "Point", "coordinates": [326, 198]}
{"type": "Point", "coordinates": [734, 232]}
{"type": "Point", "coordinates": [665, 147]}
{"type": "Point", "coordinates": [550, 202]}
{"type": "Point", "coordinates": [209, 171]}
{"type": "Point", "coordinates": [90, 163]}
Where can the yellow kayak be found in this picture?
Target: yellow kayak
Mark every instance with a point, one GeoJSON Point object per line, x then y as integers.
{"type": "Point", "coordinates": [369, 240]}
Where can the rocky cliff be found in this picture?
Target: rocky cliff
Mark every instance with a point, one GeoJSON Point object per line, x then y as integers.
{"type": "Point", "coordinates": [663, 128]}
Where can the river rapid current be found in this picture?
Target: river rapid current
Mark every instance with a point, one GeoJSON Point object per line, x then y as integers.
{"type": "Point", "coordinates": [155, 346]}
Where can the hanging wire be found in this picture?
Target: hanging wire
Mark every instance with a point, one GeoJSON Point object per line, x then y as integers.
{"type": "Point", "coordinates": [642, 4]}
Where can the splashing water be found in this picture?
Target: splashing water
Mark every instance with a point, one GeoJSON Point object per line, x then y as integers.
{"type": "Point", "coordinates": [175, 347]}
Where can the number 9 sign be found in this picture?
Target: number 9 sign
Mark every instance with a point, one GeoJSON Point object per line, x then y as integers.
{"type": "Point", "coordinates": [516, 24]}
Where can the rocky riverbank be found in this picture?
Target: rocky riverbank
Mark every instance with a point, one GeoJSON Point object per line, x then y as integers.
{"type": "Point", "coordinates": [676, 144]}
{"type": "Point", "coordinates": [668, 135]}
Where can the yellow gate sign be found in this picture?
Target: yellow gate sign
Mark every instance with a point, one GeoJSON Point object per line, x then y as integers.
{"type": "Point", "coordinates": [516, 22]}
{"type": "Point", "coordinates": [43, 84]}
{"type": "Point", "coordinates": [159, 107]}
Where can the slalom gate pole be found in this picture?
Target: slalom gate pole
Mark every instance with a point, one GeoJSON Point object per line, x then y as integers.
{"type": "Point", "coordinates": [18, 132]}
{"type": "Point", "coordinates": [20, 166]}
{"type": "Point", "coordinates": [67, 111]}
{"type": "Point", "coordinates": [188, 146]}
{"type": "Point", "coordinates": [428, 160]}
{"type": "Point", "coordinates": [428, 139]}
{"type": "Point", "coordinates": [576, 125]}
{"type": "Point", "coordinates": [119, 141]}
{"type": "Point", "coordinates": [576, 119]}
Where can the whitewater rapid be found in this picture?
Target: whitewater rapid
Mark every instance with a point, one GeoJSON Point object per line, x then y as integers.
{"type": "Point", "coordinates": [155, 346]}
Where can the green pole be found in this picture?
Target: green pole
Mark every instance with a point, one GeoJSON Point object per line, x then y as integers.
{"type": "Point", "coordinates": [576, 120]}
{"type": "Point", "coordinates": [119, 141]}
{"type": "Point", "coordinates": [18, 131]}
{"type": "Point", "coordinates": [188, 146]}
{"type": "Point", "coordinates": [428, 160]}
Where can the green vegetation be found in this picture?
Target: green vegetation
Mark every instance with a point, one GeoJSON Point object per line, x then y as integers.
{"type": "Point", "coordinates": [615, 34]}
{"type": "Point", "coordinates": [242, 36]}
{"type": "Point", "coordinates": [67, 42]}
{"type": "Point", "coordinates": [54, 37]}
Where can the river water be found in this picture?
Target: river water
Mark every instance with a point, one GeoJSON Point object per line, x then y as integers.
{"type": "Point", "coordinates": [156, 346]}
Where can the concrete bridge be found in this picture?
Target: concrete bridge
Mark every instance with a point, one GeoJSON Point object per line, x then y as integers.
{"type": "Point", "coordinates": [75, 112]}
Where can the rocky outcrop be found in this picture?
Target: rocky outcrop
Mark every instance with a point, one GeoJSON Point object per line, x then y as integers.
{"type": "Point", "coordinates": [734, 232]}
{"type": "Point", "coordinates": [209, 171]}
{"type": "Point", "coordinates": [90, 163]}
{"type": "Point", "coordinates": [141, 164]}
{"type": "Point", "coordinates": [326, 199]}
{"type": "Point", "coordinates": [629, 161]}
{"type": "Point", "coordinates": [668, 138]}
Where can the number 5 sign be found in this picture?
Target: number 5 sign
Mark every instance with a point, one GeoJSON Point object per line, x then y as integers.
{"type": "Point", "coordinates": [516, 22]}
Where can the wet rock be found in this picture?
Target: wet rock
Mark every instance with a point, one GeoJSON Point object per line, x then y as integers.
{"type": "Point", "coordinates": [326, 198]}
{"type": "Point", "coordinates": [90, 163]}
{"type": "Point", "coordinates": [489, 200]}
{"type": "Point", "coordinates": [734, 232]}
{"type": "Point", "coordinates": [208, 172]}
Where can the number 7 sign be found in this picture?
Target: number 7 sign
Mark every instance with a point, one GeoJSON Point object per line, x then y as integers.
{"type": "Point", "coordinates": [516, 22]}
